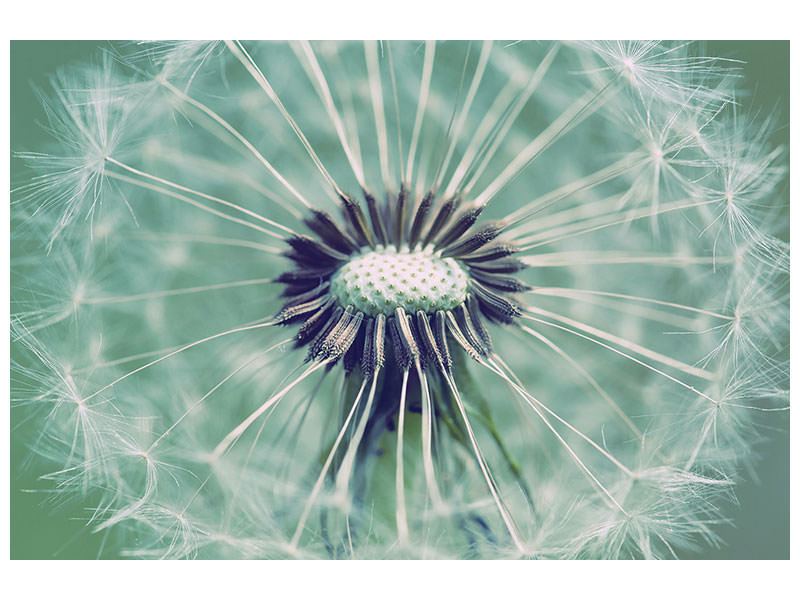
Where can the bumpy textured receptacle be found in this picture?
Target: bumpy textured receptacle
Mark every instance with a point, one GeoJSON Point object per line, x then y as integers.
{"type": "Point", "coordinates": [380, 281]}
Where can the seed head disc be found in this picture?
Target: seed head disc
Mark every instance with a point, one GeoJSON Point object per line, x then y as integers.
{"type": "Point", "coordinates": [381, 280]}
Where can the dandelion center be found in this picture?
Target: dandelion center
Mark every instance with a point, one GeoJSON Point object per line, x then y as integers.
{"type": "Point", "coordinates": [382, 280]}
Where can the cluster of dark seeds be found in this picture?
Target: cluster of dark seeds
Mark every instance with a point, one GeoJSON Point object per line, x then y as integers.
{"type": "Point", "coordinates": [333, 332]}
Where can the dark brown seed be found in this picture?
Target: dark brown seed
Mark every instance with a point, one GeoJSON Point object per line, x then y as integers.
{"type": "Point", "coordinates": [313, 253]}
{"type": "Point", "coordinates": [419, 219]}
{"type": "Point", "coordinates": [504, 265]}
{"type": "Point", "coordinates": [468, 329]}
{"type": "Point", "coordinates": [401, 216]}
{"type": "Point", "coordinates": [498, 283]}
{"type": "Point", "coordinates": [330, 324]}
{"type": "Point", "coordinates": [401, 355]}
{"type": "Point", "coordinates": [329, 231]}
{"type": "Point", "coordinates": [476, 241]}
{"type": "Point", "coordinates": [302, 305]}
{"type": "Point", "coordinates": [440, 333]}
{"type": "Point", "coordinates": [355, 216]}
{"type": "Point", "coordinates": [494, 252]}
{"type": "Point", "coordinates": [442, 217]}
{"type": "Point", "coordinates": [377, 220]}
{"type": "Point", "coordinates": [458, 336]}
{"type": "Point", "coordinates": [352, 357]}
{"type": "Point", "coordinates": [463, 223]}
{"type": "Point", "coordinates": [494, 306]}
{"type": "Point", "coordinates": [345, 338]}
{"type": "Point", "coordinates": [313, 323]}
{"type": "Point", "coordinates": [477, 322]}
{"type": "Point", "coordinates": [434, 356]}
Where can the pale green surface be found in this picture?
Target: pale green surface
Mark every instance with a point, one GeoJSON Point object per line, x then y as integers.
{"type": "Point", "coordinates": [384, 280]}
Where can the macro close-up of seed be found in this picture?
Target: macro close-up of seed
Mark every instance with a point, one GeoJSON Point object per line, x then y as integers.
{"type": "Point", "coordinates": [399, 300]}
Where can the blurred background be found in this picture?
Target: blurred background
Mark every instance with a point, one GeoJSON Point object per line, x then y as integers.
{"type": "Point", "coordinates": [761, 517]}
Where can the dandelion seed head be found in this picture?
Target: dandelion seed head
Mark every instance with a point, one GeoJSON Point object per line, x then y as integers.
{"type": "Point", "coordinates": [438, 300]}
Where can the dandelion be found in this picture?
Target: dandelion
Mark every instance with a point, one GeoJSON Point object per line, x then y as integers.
{"type": "Point", "coordinates": [415, 300]}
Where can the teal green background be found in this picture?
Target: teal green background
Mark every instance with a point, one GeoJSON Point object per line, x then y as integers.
{"type": "Point", "coordinates": [762, 516]}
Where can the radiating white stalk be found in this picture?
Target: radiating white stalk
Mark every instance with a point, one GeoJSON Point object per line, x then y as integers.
{"type": "Point", "coordinates": [376, 94]}
{"type": "Point", "coordinates": [477, 77]}
{"type": "Point", "coordinates": [176, 292]}
{"type": "Point", "coordinates": [631, 216]}
{"type": "Point", "coordinates": [556, 291]}
{"type": "Point", "coordinates": [318, 77]}
{"type": "Point", "coordinates": [315, 491]}
{"type": "Point", "coordinates": [203, 166]}
{"type": "Point", "coordinates": [401, 518]}
{"type": "Point", "coordinates": [183, 188]}
{"type": "Point", "coordinates": [178, 351]}
{"type": "Point", "coordinates": [239, 52]}
{"type": "Point", "coordinates": [239, 430]}
{"type": "Point", "coordinates": [607, 496]}
{"type": "Point", "coordinates": [627, 344]}
{"type": "Point", "coordinates": [398, 124]}
{"type": "Point", "coordinates": [501, 507]}
{"type": "Point", "coordinates": [604, 257]}
{"type": "Point", "coordinates": [620, 167]}
{"type": "Point", "coordinates": [207, 239]}
{"type": "Point", "coordinates": [186, 413]}
{"type": "Point", "coordinates": [427, 444]}
{"type": "Point", "coordinates": [200, 205]}
{"type": "Point", "coordinates": [422, 101]}
{"type": "Point", "coordinates": [519, 105]}
{"type": "Point", "coordinates": [579, 110]}
{"type": "Point", "coordinates": [621, 353]}
{"type": "Point", "coordinates": [531, 400]}
{"type": "Point", "coordinates": [584, 374]}
{"type": "Point", "coordinates": [239, 137]}
{"type": "Point", "coordinates": [575, 212]}
{"type": "Point", "coordinates": [346, 468]}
